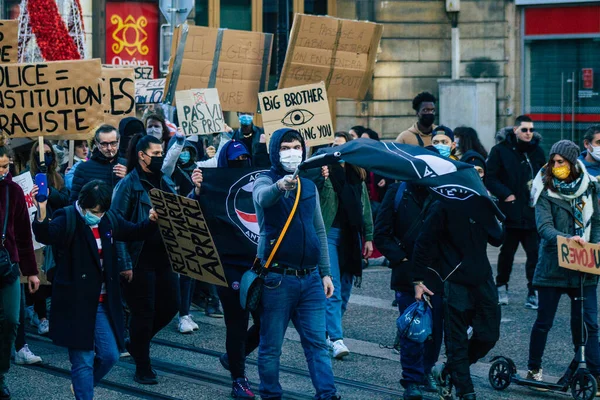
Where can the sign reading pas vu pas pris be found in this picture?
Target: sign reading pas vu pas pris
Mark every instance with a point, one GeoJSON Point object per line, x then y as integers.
{"type": "Point", "coordinates": [199, 111]}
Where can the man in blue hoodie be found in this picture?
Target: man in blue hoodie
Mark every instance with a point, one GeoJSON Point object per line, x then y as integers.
{"type": "Point", "coordinates": [591, 156]}
{"type": "Point", "coordinates": [298, 280]}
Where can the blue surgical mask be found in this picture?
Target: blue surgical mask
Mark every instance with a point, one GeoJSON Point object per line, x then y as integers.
{"type": "Point", "coordinates": [246, 119]}
{"type": "Point", "coordinates": [443, 149]}
{"type": "Point", "coordinates": [91, 219]}
{"type": "Point", "coordinates": [185, 157]}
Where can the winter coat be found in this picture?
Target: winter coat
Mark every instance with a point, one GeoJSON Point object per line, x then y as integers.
{"type": "Point", "coordinates": [410, 136]}
{"type": "Point", "coordinates": [78, 277]}
{"type": "Point", "coordinates": [554, 217]}
{"type": "Point", "coordinates": [97, 167]}
{"type": "Point", "coordinates": [510, 171]}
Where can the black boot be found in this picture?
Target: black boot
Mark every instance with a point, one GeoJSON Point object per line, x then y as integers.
{"type": "Point", "coordinates": [413, 392]}
{"type": "Point", "coordinates": [145, 376]}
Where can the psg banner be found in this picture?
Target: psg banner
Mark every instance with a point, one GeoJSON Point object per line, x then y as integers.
{"type": "Point", "coordinates": [227, 205]}
{"type": "Point", "coordinates": [456, 183]}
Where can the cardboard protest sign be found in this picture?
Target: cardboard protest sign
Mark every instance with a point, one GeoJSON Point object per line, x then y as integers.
{"type": "Point", "coordinates": [62, 98]}
{"type": "Point", "coordinates": [339, 52]}
{"type": "Point", "coordinates": [303, 108]}
{"type": "Point", "coordinates": [26, 182]}
{"type": "Point", "coordinates": [149, 91]}
{"type": "Point", "coordinates": [186, 237]}
{"type": "Point", "coordinates": [140, 71]}
{"type": "Point", "coordinates": [237, 63]}
{"type": "Point", "coordinates": [573, 256]}
{"type": "Point", "coordinates": [199, 111]}
{"type": "Point", "coordinates": [118, 93]}
{"type": "Point", "coordinates": [9, 41]}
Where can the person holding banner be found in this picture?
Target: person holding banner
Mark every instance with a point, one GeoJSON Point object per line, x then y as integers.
{"type": "Point", "coordinates": [298, 282]}
{"type": "Point", "coordinates": [87, 316]}
{"type": "Point", "coordinates": [253, 138]}
{"type": "Point", "coordinates": [565, 197]}
{"type": "Point", "coordinates": [16, 255]}
{"type": "Point", "coordinates": [348, 221]}
{"type": "Point", "coordinates": [153, 290]}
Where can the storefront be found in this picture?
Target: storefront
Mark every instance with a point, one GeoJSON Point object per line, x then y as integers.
{"type": "Point", "coordinates": [561, 67]}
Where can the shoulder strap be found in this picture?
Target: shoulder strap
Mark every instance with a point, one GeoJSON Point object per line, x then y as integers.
{"type": "Point", "coordinates": [70, 217]}
{"type": "Point", "coordinates": [6, 214]}
{"type": "Point", "coordinates": [421, 143]}
{"type": "Point", "coordinates": [286, 226]}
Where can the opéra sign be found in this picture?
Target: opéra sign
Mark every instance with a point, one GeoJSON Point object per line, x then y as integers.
{"type": "Point", "coordinates": [573, 256]}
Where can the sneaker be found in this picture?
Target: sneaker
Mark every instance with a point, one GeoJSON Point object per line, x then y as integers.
{"type": "Point", "coordinates": [442, 378]}
{"type": "Point", "coordinates": [240, 389]}
{"type": "Point", "coordinates": [224, 360]}
{"type": "Point", "coordinates": [413, 392]}
{"type": "Point", "coordinates": [185, 325]}
{"type": "Point", "coordinates": [503, 295]}
{"type": "Point", "coordinates": [44, 327]}
{"type": "Point", "coordinates": [531, 303]}
{"type": "Point", "coordinates": [26, 357]}
{"type": "Point", "coordinates": [429, 383]}
{"type": "Point", "coordinates": [213, 312]}
{"type": "Point", "coordinates": [536, 375]}
{"type": "Point", "coordinates": [194, 324]}
{"type": "Point", "coordinates": [339, 349]}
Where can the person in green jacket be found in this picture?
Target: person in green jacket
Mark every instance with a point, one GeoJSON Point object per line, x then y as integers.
{"type": "Point", "coordinates": [349, 223]}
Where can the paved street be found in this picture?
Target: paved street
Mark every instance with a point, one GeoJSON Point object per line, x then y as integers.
{"type": "Point", "coordinates": [370, 372]}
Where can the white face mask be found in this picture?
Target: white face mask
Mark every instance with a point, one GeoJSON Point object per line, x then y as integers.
{"type": "Point", "coordinates": [290, 159]}
{"type": "Point", "coordinates": [155, 131]}
{"type": "Point", "coordinates": [595, 153]}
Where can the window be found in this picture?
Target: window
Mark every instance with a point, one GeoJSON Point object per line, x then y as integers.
{"type": "Point", "coordinates": [201, 13]}
{"type": "Point", "coordinates": [236, 14]}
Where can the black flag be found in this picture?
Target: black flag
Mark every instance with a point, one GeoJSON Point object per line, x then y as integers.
{"type": "Point", "coordinates": [456, 183]}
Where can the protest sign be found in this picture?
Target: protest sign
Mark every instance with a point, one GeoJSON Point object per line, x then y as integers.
{"type": "Point", "coordinates": [26, 182]}
{"type": "Point", "coordinates": [62, 98]}
{"type": "Point", "coordinates": [573, 256]}
{"type": "Point", "coordinates": [339, 52]}
{"type": "Point", "coordinates": [149, 91]}
{"type": "Point", "coordinates": [199, 111]}
{"type": "Point", "coordinates": [186, 237]}
{"type": "Point", "coordinates": [9, 41]}
{"type": "Point", "coordinates": [118, 93]}
{"type": "Point", "coordinates": [235, 62]}
{"type": "Point", "coordinates": [140, 71]}
{"type": "Point", "coordinates": [303, 108]}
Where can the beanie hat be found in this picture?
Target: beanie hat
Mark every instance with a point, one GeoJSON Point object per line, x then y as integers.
{"type": "Point", "coordinates": [474, 158]}
{"type": "Point", "coordinates": [236, 149]}
{"type": "Point", "coordinates": [566, 149]}
{"type": "Point", "coordinates": [443, 130]}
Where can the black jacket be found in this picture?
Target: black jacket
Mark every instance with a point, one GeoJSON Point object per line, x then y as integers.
{"type": "Point", "coordinates": [391, 227]}
{"type": "Point", "coordinates": [454, 246]}
{"type": "Point", "coordinates": [510, 171]}
{"type": "Point", "coordinates": [97, 167]}
{"type": "Point", "coordinates": [258, 151]}
{"type": "Point", "coordinates": [78, 277]}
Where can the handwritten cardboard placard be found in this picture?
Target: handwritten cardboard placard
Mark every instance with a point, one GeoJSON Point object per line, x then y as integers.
{"type": "Point", "coordinates": [118, 94]}
{"type": "Point", "coordinates": [303, 108]}
{"type": "Point", "coordinates": [199, 111]}
{"type": "Point", "coordinates": [573, 256]}
{"type": "Point", "coordinates": [58, 99]}
{"type": "Point", "coordinates": [149, 91]}
{"type": "Point", "coordinates": [186, 237]}
{"type": "Point", "coordinates": [237, 63]}
{"type": "Point", "coordinates": [339, 52]}
{"type": "Point", "coordinates": [9, 41]}
{"type": "Point", "coordinates": [141, 71]}
{"type": "Point", "coordinates": [25, 181]}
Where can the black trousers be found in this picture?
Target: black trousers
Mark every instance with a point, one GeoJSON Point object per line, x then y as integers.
{"type": "Point", "coordinates": [240, 341]}
{"type": "Point", "coordinates": [530, 241]}
{"type": "Point", "coordinates": [465, 306]}
{"type": "Point", "coordinates": [153, 298]}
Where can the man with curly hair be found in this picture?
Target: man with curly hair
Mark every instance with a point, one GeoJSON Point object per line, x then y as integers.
{"type": "Point", "coordinates": [420, 133]}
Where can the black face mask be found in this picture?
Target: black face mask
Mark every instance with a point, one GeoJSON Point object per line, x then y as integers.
{"type": "Point", "coordinates": [237, 163]}
{"type": "Point", "coordinates": [48, 158]}
{"type": "Point", "coordinates": [426, 120]}
{"type": "Point", "coordinates": [156, 164]}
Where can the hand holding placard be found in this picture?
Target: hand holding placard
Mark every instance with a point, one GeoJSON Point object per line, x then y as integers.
{"type": "Point", "coordinates": [572, 255]}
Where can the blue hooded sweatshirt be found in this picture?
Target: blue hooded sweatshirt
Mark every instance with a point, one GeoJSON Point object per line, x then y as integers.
{"type": "Point", "coordinates": [222, 162]}
{"type": "Point", "coordinates": [305, 243]}
{"type": "Point", "coordinates": [593, 168]}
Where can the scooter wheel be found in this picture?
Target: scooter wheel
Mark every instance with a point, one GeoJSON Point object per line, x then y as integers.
{"type": "Point", "coordinates": [499, 375]}
{"type": "Point", "coordinates": [584, 386]}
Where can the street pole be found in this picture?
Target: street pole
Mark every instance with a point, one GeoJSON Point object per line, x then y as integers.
{"type": "Point", "coordinates": [455, 52]}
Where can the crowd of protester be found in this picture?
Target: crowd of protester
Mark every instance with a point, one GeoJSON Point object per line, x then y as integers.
{"type": "Point", "coordinates": [111, 288]}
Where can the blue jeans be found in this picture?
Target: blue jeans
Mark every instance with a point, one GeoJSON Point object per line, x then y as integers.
{"type": "Point", "coordinates": [301, 300]}
{"type": "Point", "coordinates": [186, 289]}
{"type": "Point", "coordinates": [417, 359]}
{"type": "Point", "coordinates": [548, 298]}
{"type": "Point", "coordinates": [337, 304]}
{"type": "Point", "coordinates": [88, 367]}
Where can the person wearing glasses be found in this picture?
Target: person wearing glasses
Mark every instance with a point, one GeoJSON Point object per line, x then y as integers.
{"type": "Point", "coordinates": [105, 164]}
{"type": "Point", "coordinates": [511, 167]}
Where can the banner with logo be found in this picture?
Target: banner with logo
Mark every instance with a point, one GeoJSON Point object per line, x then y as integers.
{"type": "Point", "coordinates": [132, 34]}
{"type": "Point", "coordinates": [227, 201]}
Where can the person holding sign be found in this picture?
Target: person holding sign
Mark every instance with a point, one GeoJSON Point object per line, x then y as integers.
{"type": "Point", "coordinates": [253, 138]}
{"type": "Point", "coordinates": [153, 290]}
{"type": "Point", "coordinates": [565, 196]}
{"type": "Point", "coordinates": [298, 282]}
{"type": "Point", "coordinates": [87, 315]}
{"type": "Point", "coordinates": [16, 253]}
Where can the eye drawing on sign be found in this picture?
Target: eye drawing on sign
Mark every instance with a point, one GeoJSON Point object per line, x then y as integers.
{"type": "Point", "coordinates": [129, 35]}
{"type": "Point", "coordinates": [297, 117]}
